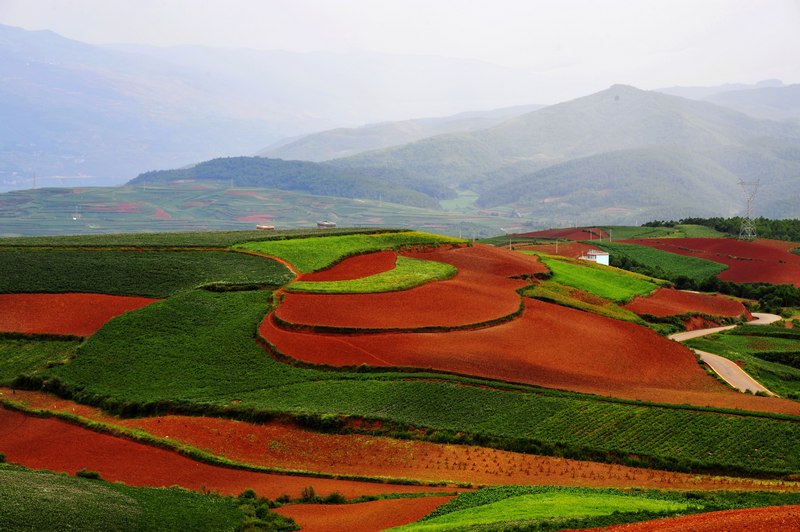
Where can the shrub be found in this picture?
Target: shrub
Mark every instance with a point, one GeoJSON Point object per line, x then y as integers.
{"type": "Point", "coordinates": [86, 473]}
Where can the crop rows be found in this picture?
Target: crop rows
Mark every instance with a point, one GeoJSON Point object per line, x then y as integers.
{"type": "Point", "coordinates": [664, 264]}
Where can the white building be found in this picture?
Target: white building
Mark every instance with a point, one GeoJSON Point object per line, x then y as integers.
{"type": "Point", "coordinates": [594, 255]}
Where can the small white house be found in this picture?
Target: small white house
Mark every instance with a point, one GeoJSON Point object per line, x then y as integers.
{"type": "Point", "coordinates": [594, 255]}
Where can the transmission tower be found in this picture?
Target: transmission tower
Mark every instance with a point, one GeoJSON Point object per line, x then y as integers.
{"type": "Point", "coordinates": [747, 231]}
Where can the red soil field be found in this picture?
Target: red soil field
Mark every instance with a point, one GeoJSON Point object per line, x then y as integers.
{"type": "Point", "coordinates": [117, 206]}
{"type": "Point", "coordinates": [572, 250]}
{"type": "Point", "coordinates": [548, 345]}
{"type": "Point", "coordinates": [671, 302]}
{"type": "Point", "coordinates": [249, 193]}
{"type": "Point", "coordinates": [569, 233]}
{"type": "Point", "coordinates": [355, 267]}
{"type": "Point", "coordinates": [196, 203]}
{"type": "Point", "coordinates": [48, 443]}
{"type": "Point", "coordinates": [75, 313]}
{"type": "Point", "coordinates": [363, 517]}
{"type": "Point", "coordinates": [760, 261]}
{"type": "Point", "coordinates": [160, 213]}
{"type": "Point", "coordinates": [769, 519]}
{"type": "Point", "coordinates": [287, 446]}
{"type": "Point", "coordinates": [481, 291]}
{"type": "Point", "coordinates": [255, 218]}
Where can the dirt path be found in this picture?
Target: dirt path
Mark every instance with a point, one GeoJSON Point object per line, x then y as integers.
{"type": "Point", "coordinates": [728, 370]}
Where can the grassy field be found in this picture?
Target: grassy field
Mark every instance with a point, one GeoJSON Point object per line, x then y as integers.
{"type": "Point", "coordinates": [36, 500]}
{"type": "Point", "coordinates": [142, 273]}
{"type": "Point", "coordinates": [197, 348]}
{"type": "Point", "coordinates": [406, 274]}
{"type": "Point", "coordinates": [533, 507]}
{"type": "Point", "coordinates": [610, 283]}
{"type": "Point", "coordinates": [312, 255]}
{"type": "Point", "coordinates": [22, 355]}
{"type": "Point", "coordinates": [623, 232]}
{"type": "Point", "coordinates": [567, 296]}
{"type": "Point", "coordinates": [557, 508]}
{"type": "Point", "coordinates": [771, 355]}
{"type": "Point", "coordinates": [665, 264]}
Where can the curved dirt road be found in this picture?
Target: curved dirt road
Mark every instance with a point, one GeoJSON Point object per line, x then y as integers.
{"type": "Point", "coordinates": [728, 370]}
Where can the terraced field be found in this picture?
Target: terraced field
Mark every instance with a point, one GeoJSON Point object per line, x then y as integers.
{"type": "Point", "coordinates": [454, 376]}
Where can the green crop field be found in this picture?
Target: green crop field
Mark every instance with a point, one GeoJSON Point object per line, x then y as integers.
{"type": "Point", "coordinates": [771, 355]}
{"type": "Point", "coordinates": [142, 273]}
{"type": "Point", "coordinates": [556, 508]}
{"type": "Point", "coordinates": [312, 255]}
{"type": "Point", "coordinates": [611, 283]}
{"type": "Point", "coordinates": [406, 274]}
{"type": "Point", "coordinates": [663, 263]}
{"type": "Point", "coordinates": [37, 500]}
{"type": "Point", "coordinates": [624, 232]}
{"type": "Point", "coordinates": [28, 355]}
{"type": "Point", "coordinates": [197, 348]}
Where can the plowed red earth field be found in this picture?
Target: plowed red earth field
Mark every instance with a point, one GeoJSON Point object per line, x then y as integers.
{"type": "Point", "coordinates": [78, 314]}
{"type": "Point", "coordinates": [569, 233]}
{"type": "Point", "coordinates": [671, 302]}
{"type": "Point", "coordinates": [769, 519]}
{"type": "Point", "coordinates": [355, 267]}
{"type": "Point", "coordinates": [481, 291]}
{"type": "Point", "coordinates": [362, 517]}
{"type": "Point", "coordinates": [47, 443]}
{"type": "Point", "coordinates": [287, 446]}
{"type": "Point", "coordinates": [572, 250]}
{"type": "Point", "coordinates": [548, 345]}
{"type": "Point", "coordinates": [760, 261]}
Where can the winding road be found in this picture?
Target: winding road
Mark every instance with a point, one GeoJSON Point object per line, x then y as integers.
{"type": "Point", "coordinates": [728, 370]}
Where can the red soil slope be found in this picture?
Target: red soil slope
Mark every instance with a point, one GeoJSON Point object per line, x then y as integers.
{"type": "Point", "coordinates": [289, 447]}
{"type": "Point", "coordinates": [671, 302]}
{"type": "Point", "coordinates": [481, 291]}
{"type": "Point", "coordinates": [355, 267]}
{"type": "Point", "coordinates": [760, 261]}
{"type": "Point", "coordinates": [363, 517]}
{"type": "Point", "coordinates": [549, 345]}
{"type": "Point", "coordinates": [769, 519]}
{"type": "Point", "coordinates": [569, 233]}
{"type": "Point", "coordinates": [47, 443]}
{"type": "Point", "coordinates": [572, 250]}
{"type": "Point", "coordinates": [78, 314]}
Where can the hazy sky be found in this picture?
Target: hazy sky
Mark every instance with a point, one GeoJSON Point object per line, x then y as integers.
{"type": "Point", "coordinates": [647, 43]}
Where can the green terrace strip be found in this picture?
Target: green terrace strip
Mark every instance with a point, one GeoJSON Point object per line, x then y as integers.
{"type": "Point", "coordinates": [40, 500]}
{"type": "Point", "coordinates": [142, 273]}
{"type": "Point", "coordinates": [771, 355]}
{"type": "Point", "coordinates": [406, 274]}
{"type": "Point", "coordinates": [604, 281]}
{"type": "Point", "coordinates": [195, 353]}
{"type": "Point", "coordinates": [553, 292]}
{"type": "Point", "coordinates": [662, 263]}
{"type": "Point", "coordinates": [313, 255]}
{"type": "Point", "coordinates": [28, 355]}
{"type": "Point", "coordinates": [624, 232]}
{"type": "Point", "coordinates": [547, 508]}
{"type": "Point", "coordinates": [520, 506]}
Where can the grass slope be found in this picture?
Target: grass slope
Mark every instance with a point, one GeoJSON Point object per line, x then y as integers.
{"type": "Point", "coordinates": [666, 264]}
{"type": "Point", "coordinates": [313, 255]}
{"type": "Point", "coordinates": [625, 232]}
{"type": "Point", "coordinates": [36, 500]}
{"type": "Point", "coordinates": [611, 283]}
{"type": "Point", "coordinates": [554, 292]}
{"type": "Point", "coordinates": [197, 348]}
{"type": "Point", "coordinates": [143, 273]}
{"type": "Point", "coordinates": [406, 274]}
{"type": "Point", "coordinates": [28, 355]}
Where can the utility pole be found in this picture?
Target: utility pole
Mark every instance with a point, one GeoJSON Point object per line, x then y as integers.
{"type": "Point", "coordinates": [747, 231]}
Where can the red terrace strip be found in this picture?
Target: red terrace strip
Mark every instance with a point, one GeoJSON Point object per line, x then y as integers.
{"type": "Point", "coordinates": [769, 519]}
{"type": "Point", "coordinates": [75, 313]}
{"type": "Point", "coordinates": [125, 208]}
{"type": "Point", "coordinates": [290, 447]}
{"type": "Point", "coordinates": [760, 261]}
{"type": "Point", "coordinates": [572, 250]}
{"type": "Point", "coordinates": [481, 291]}
{"type": "Point", "coordinates": [548, 345]}
{"type": "Point", "coordinates": [569, 233]}
{"type": "Point", "coordinates": [671, 302]}
{"type": "Point", "coordinates": [355, 267]}
{"type": "Point", "coordinates": [363, 517]}
{"type": "Point", "coordinates": [255, 218]}
{"type": "Point", "coordinates": [160, 213]}
{"type": "Point", "coordinates": [48, 443]}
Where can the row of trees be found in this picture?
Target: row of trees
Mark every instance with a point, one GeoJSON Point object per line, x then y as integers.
{"type": "Point", "coordinates": [765, 228]}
